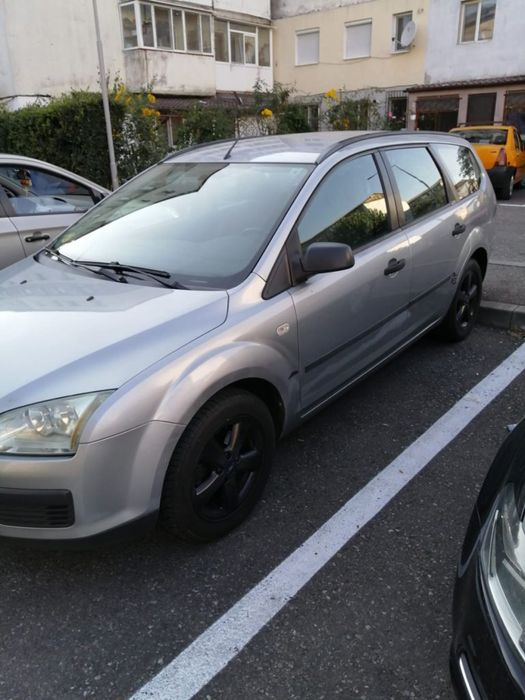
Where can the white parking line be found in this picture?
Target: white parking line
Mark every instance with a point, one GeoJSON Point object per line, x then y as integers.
{"type": "Point", "coordinates": [204, 658]}
{"type": "Point", "coordinates": [511, 205]}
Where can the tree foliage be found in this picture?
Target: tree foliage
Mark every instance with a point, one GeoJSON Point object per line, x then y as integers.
{"type": "Point", "coordinates": [70, 131]}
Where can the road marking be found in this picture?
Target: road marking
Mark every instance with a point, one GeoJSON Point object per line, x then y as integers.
{"type": "Point", "coordinates": [207, 655]}
{"type": "Point", "coordinates": [504, 263]}
{"type": "Point", "coordinates": [511, 205]}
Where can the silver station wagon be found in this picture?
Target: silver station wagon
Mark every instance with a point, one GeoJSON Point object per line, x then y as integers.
{"type": "Point", "coordinates": [153, 352]}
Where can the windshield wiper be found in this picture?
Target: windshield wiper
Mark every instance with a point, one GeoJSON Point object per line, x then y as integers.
{"type": "Point", "coordinates": [72, 263]}
{"type": "Point", "coordinates": [157, 275]}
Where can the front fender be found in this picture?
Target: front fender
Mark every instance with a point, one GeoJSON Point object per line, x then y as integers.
{"type": "Point", "coordinates": [224, 366]}
{"type": "Point", "coordinates": [177, 388]}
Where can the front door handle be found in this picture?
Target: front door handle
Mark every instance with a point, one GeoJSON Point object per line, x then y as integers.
{"type": "Point", "coordinates": [36, 236]}
{"type": "Point", "coordinates": [459, 229]}
{"type": "Point", "coordinates": [394, 265]}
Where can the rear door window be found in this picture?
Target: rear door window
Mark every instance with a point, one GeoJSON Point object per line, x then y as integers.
{"type": "Point", "coordinates": [349, 206]}
{"type": "Point", "coordinates": [421, 187]}
{"type": "Point", "coordinates": [462, 168]}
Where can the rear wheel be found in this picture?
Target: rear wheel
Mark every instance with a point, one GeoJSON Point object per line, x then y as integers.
{"type": "Point", "coordinates": [506, 190]}
{"type": "Point", "coordinates": [462, 313]}
{"type": "Point", "coordinates": [219, 468]}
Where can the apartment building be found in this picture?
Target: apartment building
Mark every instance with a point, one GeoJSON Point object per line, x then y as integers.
{"type": "Point", "coordinates": [206, 50]}
{"type": "Point", "coordinates": [357, 47]}
{"type": "Point", "coordinates": [474, 65]}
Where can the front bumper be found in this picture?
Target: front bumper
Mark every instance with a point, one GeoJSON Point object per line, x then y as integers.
{"type": "Point", "coordinates": [483, 664]}
{"type": "Point", "coordinates": [106, 486]}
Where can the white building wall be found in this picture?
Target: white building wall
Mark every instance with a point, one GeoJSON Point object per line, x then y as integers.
{"type": "Point", "coordinates": [259, 8]}
{"type": "Point", "coordinates": [232, 77]}
{"type": "Point", "coordinates": [170, 73]}
{"type": "Point", "coordinates": [292, 8]}
{"type": "Point", "coordinates": [448, 60]}
{"type": "Point", "coordinates": [56, 51]}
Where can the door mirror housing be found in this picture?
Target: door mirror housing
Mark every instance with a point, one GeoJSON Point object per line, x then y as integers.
{"type": "Point", "coordinates": [327, 257]}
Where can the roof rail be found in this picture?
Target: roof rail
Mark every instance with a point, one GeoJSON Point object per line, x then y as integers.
{"type": "Point", "coordinates": [372, 135]}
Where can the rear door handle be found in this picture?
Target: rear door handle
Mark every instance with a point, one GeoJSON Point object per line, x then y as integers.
{"type": "Point", "coordinates": [394, 265]}
{"type": "Point", "coordinates": [459, 229]}
{"type": "Point", "coordinates": [36, 236]}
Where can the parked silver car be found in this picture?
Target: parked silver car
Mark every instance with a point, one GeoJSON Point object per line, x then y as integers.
{"type": "Point", "coordinates": [155, 351]}
{"type": "Point", "coordinates": [38, 201]}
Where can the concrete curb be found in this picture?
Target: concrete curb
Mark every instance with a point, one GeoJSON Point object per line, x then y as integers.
{"type": "Point", "coordinates": [508, 316]}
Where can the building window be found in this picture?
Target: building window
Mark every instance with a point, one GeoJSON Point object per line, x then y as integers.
{"type": "Point", "coordinates": [514, 113]}
{"type": "Point", "coordinates": [477, 20]}
{"type": "Point", "coordinates": [146, 22]}
{"type": "Point", "coordinates": [164, 27]}
{"type": "Point", "coordinates": [147, 25]}
{"type": "Point", "coordinates": [129, 26]}
{"type": "Point", "coordinates": [221, 41]}
{"type": "Point", "coordinates": [438, 113]}
{"type": "Point", "coordinates": [397, 111]}
{"type": "Point", "coordinates": [358, 36]}
{"type": "Point", "coordinates": [307, 47]}
{"type": "Point", "coordinates": [264, 46]}
{"type": "Point", "coordinates": [400, 23]}
{"type": "Point", "coordinates": [242, 43]}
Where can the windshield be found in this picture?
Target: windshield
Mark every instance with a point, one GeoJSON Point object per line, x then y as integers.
{"type": "Point", "coordinates": [204, 223]}
{"type": "Point", "coordinates": [493, 137]}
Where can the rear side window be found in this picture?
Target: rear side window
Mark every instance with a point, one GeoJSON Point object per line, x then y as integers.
{"type": "Point", "coordinates": [462, 168]}
{"type": "Point", "coordinates": [349, 206]}
{"type": "Point", "coordinates": [419, 181]}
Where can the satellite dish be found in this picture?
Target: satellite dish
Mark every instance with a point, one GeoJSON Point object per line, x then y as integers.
{"type": "Point", "coordinates": [408, 35]}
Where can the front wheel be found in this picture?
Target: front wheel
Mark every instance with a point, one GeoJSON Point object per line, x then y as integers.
{"type": "Point", "coordinates": [462, 313]}
{"type": "Point", "coordinates": [219, 468]}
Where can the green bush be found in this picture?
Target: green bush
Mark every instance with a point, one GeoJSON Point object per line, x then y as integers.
{"type": "Point", "coordinates": [201, 124]}
{"type": "Point", "coordinates": [274, 104]}
{"type": "Point", "coordinates": [70, 131]}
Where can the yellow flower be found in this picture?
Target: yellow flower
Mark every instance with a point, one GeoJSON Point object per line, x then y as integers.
{"type": "Point", "coordinates": [157, 113]}
{"type": "Point", "coordinates": [147, 112]}
{"type": "Point", "coordinates": [129, 100]}
{"type": "Point", "coordinates": [346, 123]}
{"type": "Point", "coordinates": [151, 99]}
{"type": "Point", "coordinates": [117, 97]}
{"type": "Point", "coordinates": [331, 94]}
{"type": "Point", "coordinates": [266, 112]}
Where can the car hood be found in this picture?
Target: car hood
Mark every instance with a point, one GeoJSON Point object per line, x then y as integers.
{"type": "Point", "coordinates": [65, 333]}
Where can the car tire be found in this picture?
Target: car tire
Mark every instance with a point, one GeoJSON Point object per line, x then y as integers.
{"type": "Point", "coordinates": [219, 468]}
{"type": "Point", "coordinates": [505, 192]}
{"type": "Point", "coordinates": [462, 313]}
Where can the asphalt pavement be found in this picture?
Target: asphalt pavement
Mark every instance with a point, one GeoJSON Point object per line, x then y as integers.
{"type": "Point", "coordinates": [374, 623]}
{"type": "Point", "coordinates": [503, 303]}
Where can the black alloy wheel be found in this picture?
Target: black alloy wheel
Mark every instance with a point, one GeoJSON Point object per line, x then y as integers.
{"type": "Point", "coordinates": [463, 311]}
{"type": "Point", "coordinates": [227, 467]}
{"type": "Point", "coordinates": [219, 468]}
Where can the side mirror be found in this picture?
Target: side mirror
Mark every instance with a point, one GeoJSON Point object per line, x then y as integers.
{"type": "Point", "coordinates": [327, 257]}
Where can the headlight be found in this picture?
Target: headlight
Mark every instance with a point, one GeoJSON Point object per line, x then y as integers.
{"type": "Point", "coordinates": [50, 427]}
{"type": "Point", "coordinates": [503, 566]}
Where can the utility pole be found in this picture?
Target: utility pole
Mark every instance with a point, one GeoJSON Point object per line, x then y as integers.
{"type": "Point", "coordinates": [105, 101]}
